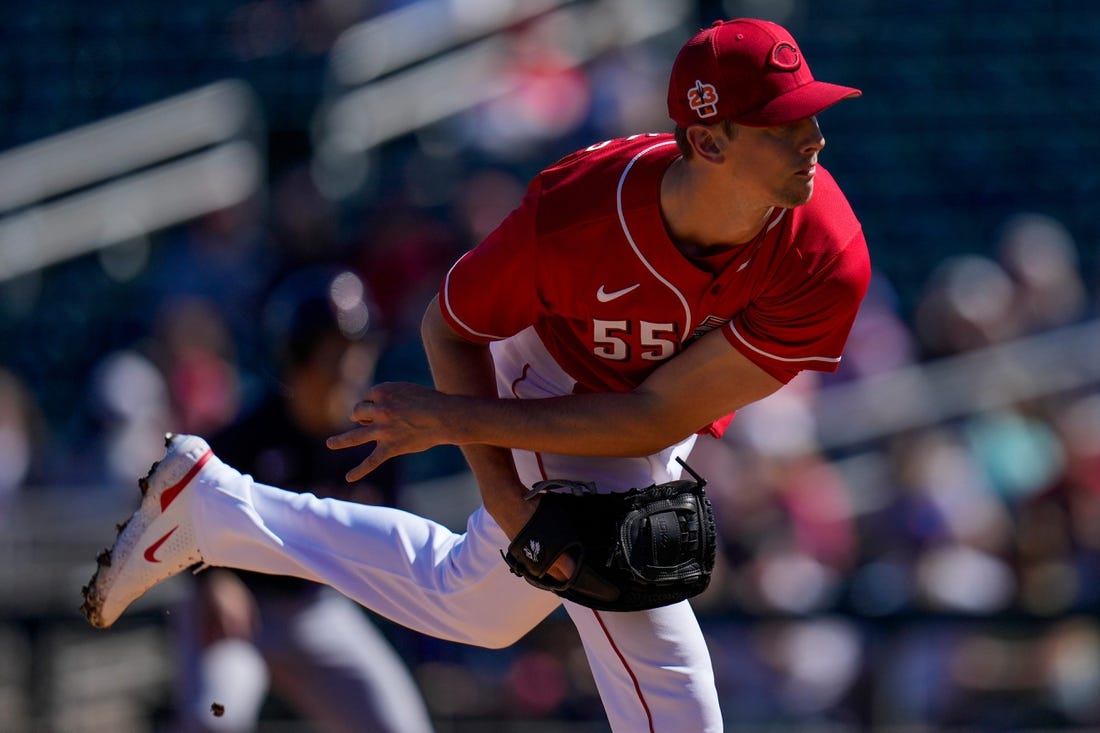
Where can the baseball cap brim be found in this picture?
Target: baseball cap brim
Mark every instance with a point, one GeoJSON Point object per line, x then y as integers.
{"type": "Point", "coordinates": [797, 104]}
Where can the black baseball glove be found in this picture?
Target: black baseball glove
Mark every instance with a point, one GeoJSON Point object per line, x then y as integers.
{"type": "Point", "coordinates": [633, 550]}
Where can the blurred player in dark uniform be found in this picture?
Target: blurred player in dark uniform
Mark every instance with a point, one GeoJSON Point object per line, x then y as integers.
{"type": "Point", "coordinates": [245, 634]}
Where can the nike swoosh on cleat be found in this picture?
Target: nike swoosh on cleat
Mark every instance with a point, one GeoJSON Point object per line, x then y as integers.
{"type": "Point", "coordinates": [605, 297]}
{"type": "Point", "coordinates": [173, 491]}
{"type": "Point", "coordinates": [151, 551]}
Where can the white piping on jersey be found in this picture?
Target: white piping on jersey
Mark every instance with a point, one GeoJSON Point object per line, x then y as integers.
{"type": "Point", "coordinates": [829, 359]}
{"type": "Point", "coordinates": [626, 231]}
{"type": "Point", "coordinates": [782, 213]}
{"type": "Point", "coordinates": [733, 328]}
{"type": "Point", "coordinates": [447, 304]}
{"type": "Point", "coordinates": [771, 225]}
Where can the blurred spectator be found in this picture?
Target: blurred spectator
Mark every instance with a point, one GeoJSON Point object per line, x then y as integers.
{"type": "Point", "coordinates": [964, 532]}
{"type": "Point", "coordinates": [628, 93]}
{"type": "Point", "coordinates": [549, 97]}
{"type": "Point", "coordinates": [195, 351]}
{"type": "Point", "coordinates": [244, 633]}
{"type": "Point", "coordinates": [967, 303]}
{"type": "Point", "coordinates": [818, 662]}
{"type": "Point", "coordinates": [1019, 452]}
{"type": "Point", "coordinates": [1059, 528]}
{"type": "Point", "coordinates": [1040, 255]}
{"type": "Point", "coordinates": [23, 435]}
{"type": "Point", "coordinates": [131, 403]}
{"type": "Point", "coordinates": [1068, 655]}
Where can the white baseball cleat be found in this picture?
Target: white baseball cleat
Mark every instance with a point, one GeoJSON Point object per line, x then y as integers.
{"type": "Point", "coordinates": [158, 541]}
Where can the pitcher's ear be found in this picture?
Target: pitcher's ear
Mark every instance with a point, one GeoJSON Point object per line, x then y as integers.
{"type": "Point", "coordinates": [707, 142]}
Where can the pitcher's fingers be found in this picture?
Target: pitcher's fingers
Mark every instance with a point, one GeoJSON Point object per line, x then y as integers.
{"type": "Point", "coordinates": [361, 412]}
{"type": "Point", "coordinates": [563, 568]}
{"type": "Point", "coordinates": [371, 462]}
{"type": "Point", "coordinates": [350, 439]}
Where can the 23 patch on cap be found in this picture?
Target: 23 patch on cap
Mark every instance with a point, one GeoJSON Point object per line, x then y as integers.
{"type": "Point", "coordinates": [703, 98]}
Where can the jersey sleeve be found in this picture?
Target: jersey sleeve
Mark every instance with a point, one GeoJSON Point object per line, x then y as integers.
{"type": "Point", "coordinates": [804, 325]}
{"type": "Point", "coordinates": [491, 292]}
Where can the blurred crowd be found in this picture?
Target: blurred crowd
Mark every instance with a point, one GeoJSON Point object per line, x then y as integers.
{"type": "Point", "coordinates": [940, 575]}
{"type": "Point", "coordinates": [945, 573]}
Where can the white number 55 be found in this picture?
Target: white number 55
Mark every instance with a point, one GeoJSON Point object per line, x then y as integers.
{"type": "Point", "coordinates": [615, 340]}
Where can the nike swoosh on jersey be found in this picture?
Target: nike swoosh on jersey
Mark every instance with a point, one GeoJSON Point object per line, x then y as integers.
{"type": "Point", "coordinates": [151, 550]}
{"type": "Point", "coordinates": [605, 297]}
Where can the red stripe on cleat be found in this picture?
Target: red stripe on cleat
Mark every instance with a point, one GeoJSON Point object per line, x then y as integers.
{"type": "Point", "coordinates": [173, 491]}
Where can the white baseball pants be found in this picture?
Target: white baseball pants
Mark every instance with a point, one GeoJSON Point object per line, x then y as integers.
{"type": "Point", "coordinates": [652, 668]}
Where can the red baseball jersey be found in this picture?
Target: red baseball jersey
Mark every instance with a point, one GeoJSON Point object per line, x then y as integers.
{"type": "Point", "coordinates": [586, 260]}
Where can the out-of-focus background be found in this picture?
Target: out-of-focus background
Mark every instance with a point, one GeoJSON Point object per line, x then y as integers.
{"type": "Point", "coordinates": [911, 544]}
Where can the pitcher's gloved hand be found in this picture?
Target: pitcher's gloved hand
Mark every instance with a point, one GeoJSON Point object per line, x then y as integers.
{"type": "Point", "coordinates": [632, 550]}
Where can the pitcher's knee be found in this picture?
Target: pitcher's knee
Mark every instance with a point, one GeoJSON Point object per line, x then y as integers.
{"type": "Point", "coordinates": [503, 638]}
{"type": "Point", "coordinates": [498, 637]}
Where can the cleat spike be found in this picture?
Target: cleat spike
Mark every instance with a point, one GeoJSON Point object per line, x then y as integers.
{"type": "Point", "coordinates": [148, 548]}
{"type": "Point", "coordinates": [168, 437]}
{"type": "Point", "coordinates": [143, 482]}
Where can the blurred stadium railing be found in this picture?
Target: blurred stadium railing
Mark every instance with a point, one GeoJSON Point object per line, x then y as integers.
{"type": "Point", "coordinates": [128, 175]}
{"type": "Point", "coordinates": [875, 407]}
{"type": "Point", "coordinates": [451, 58]}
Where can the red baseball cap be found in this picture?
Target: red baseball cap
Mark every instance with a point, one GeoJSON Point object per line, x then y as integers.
{"type": "Point", "coordinates": [747, 71]}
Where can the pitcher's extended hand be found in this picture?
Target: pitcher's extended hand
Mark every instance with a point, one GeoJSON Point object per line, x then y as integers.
{"type": "Point", "coordinates": [399, 417]}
